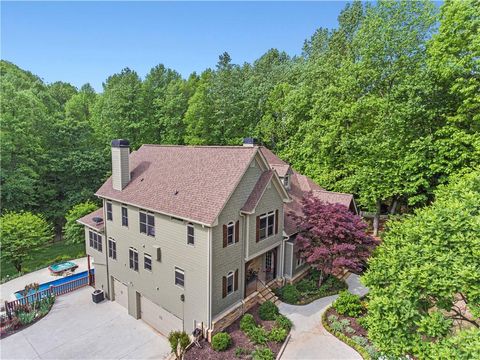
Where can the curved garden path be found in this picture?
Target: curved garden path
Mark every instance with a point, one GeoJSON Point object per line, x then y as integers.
{"type": "Point", "coordinates": [309, 339]}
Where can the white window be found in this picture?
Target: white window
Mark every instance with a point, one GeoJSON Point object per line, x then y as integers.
{"type": "Point", "coordinates": [147, 262]}
{"type": "Point", "coordinates": [147, 223]}
{"type": "Point", "coordinates": [133, 258]}
{"type": "Point", "coordinates": [179, 277]}
{"type": "Point", "coordinates": [109, 211]}
{"type": "Point", "coordinates": [95, 240]}
{"type": "Point", "coordinates": [300, 261]}
{"type": "Point", "coordinates": [124, 216]}
{"type": "Point", "coordinates": [230, 233]}
{"type": "Point", "coordinates": [267, 225]}
{"type": "Point", "coordinates": [190, 234]}
{"type": "Point", "coordinates": [230, 281]}
{"type": "Point", "coordinates": [112, 249]}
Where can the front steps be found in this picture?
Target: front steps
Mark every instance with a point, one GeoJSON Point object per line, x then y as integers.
{"type": "Point", "coordinates": [266, 294]}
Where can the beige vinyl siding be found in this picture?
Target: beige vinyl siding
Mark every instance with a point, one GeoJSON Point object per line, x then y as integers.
{"type": "Point", "coordinates": [120, 167]}
{"type": "Point", "coordinates": [287, 270]}
{"type": "Point", "coordinates": [231, 258]}
{"type": "Point", "coordinates": [158, 285]}
{"type": "Point", "coordinates": [98, 261]}
{"type": "Point", "coordinates": [270, 201]}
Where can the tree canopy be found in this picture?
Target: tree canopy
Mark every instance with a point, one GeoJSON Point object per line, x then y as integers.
{"type": "Point", "coordinates": [424, 278]}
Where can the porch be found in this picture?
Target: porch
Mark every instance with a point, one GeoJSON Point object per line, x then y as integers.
{"type": "Point", "coordinates": [261, 269]}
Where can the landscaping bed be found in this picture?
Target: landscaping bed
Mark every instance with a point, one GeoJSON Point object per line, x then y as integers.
{"type": "Point", "coordinates": [25, 315]}
{"type": "Point", "coordinates": [307, 289]}
{"type": "Point", "coordinates": [247, 341]}
{"type": "Point", "coordinates": [345, 320]}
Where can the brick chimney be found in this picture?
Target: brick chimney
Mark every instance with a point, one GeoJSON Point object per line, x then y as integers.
{"type": "Point", "coordinates": [120, 163]}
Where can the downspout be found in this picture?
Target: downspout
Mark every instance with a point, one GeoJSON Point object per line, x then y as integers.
{"type": "Point", "coordinates": [242, 263]}
{"type": "Point", "coordinates": [209, 280]}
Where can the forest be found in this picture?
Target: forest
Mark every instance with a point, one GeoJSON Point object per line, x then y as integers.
{"type": "Point", "coordinates": [385, 106]}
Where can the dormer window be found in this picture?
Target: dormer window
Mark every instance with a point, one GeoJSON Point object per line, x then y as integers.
{"type": "Point", "coordinates": [286, 181]}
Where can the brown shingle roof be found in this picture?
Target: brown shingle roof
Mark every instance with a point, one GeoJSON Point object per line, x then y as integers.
{"type": "Point", "coordinates": [257, 191]}
{"type": "Point", "coordinates": [88, 220]}
{"type": "Point", "coordinates": [301, 185]}
{"type": "Point", "coordinates": [191, 182]}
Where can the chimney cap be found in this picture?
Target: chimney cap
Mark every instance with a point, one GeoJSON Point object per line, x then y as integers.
{"type": "Point", "coordinates": [120, 143]}
{"type": "Point", "coordinates": [250, 141]}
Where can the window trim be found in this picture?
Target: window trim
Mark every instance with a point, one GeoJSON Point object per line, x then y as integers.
{"type": "Point", "coordinates": [230, 275]}
{"type": "Point", "coordinates": [95, 241]}
{"type": "Point", "coordinates": [192, 236]}
{"type": "Point", "coordinates": [147, 256]}
{"type": "Point", "coordinates": [113, 251]}
{"type": "Point", "coordinates": [299, 262]}
{"type": "Point", "coordinates": [132, 250]}
{"type": "Point", "coordinates": [125, 217]}
{"type": "Point", "coordinates": [231, 225]}
{"type": "Point", "coordinates": [266, 216]}
{"type": "Point", "coordinates": [181, 271]}
{"type": "Point", "coordinates": [147, 225]}
{"type": "Point", "coordinates": [109, 212]}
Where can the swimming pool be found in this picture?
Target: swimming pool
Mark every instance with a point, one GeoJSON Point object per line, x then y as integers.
{"type": "Point", "coordinates": [84, 274]}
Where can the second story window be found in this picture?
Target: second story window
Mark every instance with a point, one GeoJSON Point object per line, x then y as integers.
{"type": "Point", "coordinates": [190, 234]}
{"type": "Point", "coordinates": [124, 216]}
{"type": "Point", "coordinates": [267, 225]}
{"type": "Point", "coordinates": [147, 262]}
{"type": "Point", "coordinates": [109, 211]}
{"type": "Point", "coordinates": [147, 223]}
{"type": "Point", "coordinates": [95, 240]}
{"type": "Point", "coordinates": [230, 233]}
{"type": "Point", "coordinates": [112, 249]}
{"type": "Point", "coordinates": [133, 258]}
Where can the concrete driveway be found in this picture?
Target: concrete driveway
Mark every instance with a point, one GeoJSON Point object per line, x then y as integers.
{"type": "Point", "coordinates": [309, 339]}
{"type": "Point", "coordinates": [76, 328]}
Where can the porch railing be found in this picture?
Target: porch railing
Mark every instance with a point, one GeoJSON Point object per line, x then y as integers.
{"type": "Point", "coordinates": [57, 290]}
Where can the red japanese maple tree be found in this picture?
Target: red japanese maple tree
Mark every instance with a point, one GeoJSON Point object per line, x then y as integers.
{"type": "Point", "coordinates": [331, 237]}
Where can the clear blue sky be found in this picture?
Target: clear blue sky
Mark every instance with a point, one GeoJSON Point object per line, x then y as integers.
{"type": "Point", "coordinates": [88, 41]}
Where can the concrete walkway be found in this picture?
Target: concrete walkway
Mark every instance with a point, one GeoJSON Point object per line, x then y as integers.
{"type": "Point", "coordinates": [41, 276]}
{"type": "Point", "coordinates": [309, 339]}
{"type": "Point", "coordinates": [76, 328]}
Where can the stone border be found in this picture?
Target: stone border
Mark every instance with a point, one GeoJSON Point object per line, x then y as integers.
{"type": "Point", "coordinates": [282, 349]}
{"type": "Point", "coordinates": [345, 339]}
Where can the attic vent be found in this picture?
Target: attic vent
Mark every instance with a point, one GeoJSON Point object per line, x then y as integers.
{"type": "Point", "coordinates": [176, 192]}
{"type": "Point", "coordinates": [97, 219]}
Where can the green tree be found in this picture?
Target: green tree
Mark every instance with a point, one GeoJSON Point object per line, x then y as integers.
{"type": "Point", "coordinates": [73, 231]}
{"type": "Point", "coordinates": [424, 279]}
{"type": "Point", "coordinates": [22, 233]}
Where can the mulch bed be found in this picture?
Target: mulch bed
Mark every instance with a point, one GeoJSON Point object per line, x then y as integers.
{"type": "Point", "coordinates": [239, 339]}
{"type": "Point", "coordinates": [359, 330]}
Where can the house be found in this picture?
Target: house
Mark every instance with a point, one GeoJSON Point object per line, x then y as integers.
{"type": "Point", "coordinates": [187, 235]}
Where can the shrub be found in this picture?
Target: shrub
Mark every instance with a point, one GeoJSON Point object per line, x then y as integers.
{"type": "Point", "coordinates": [332, 318]}
{"type": "Point", "coordinates": [337, 326]}
{"type": "Point", "coordinates": [221, 341]}
{"type": "Point", "coordinates": [247, 323]}
{"type": "Point", "coordinates": [268, 311]}
{"type": "Point", "coordinates": [178, 340]}
{"type": "Point", "coordinates": [348, 304]}
{"type": "Point", "coordinates": [334, 283]}
{"type": "Point", "coordinates": [262, 354]}
{"type": "Point", "coordinates": [277, 334]}
{"type": "Point", "coordinates": [360, 340]}
{"type": "Point", "coordinates": [290, 294]}
{"type": "Point", "coordinates": [362, 321]}
{"type": "Point", "coordinates": [26, 318]}
{"type": "Point", "coordinates": [239, 351]}
{"type": "Point", "coordinates": [283, 322]}
{"type": "Point", "coordinates": [307, 286]}
{"type": "Point", "coordinates": [258, 335]}
{"type": "Point", "coordinates": [349, 330]}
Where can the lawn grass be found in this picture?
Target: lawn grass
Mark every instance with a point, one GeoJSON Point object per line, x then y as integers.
{"type": "Point", "coordinates": [43, 257]}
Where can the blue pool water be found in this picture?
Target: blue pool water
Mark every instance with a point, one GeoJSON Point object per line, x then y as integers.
{"type": "Point", "coordinates": [62, 280]}
{"type": "Point", "coordinates": [62, 266]}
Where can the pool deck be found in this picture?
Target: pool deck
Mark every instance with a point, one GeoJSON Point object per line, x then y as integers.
{"type": "Point", "coordinates": [8, 289]}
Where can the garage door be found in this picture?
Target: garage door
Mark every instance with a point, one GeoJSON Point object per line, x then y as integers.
{"type": "Point", "coordinates": [120, 293]}
{"type": "Point", "coordinates": [158, 318]}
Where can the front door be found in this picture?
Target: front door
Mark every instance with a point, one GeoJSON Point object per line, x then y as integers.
{"type": "Point", "coordinates": [271, 264]}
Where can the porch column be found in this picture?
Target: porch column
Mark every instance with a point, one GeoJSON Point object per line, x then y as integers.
{"type": "Point", "coordinates": [89, 274]}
